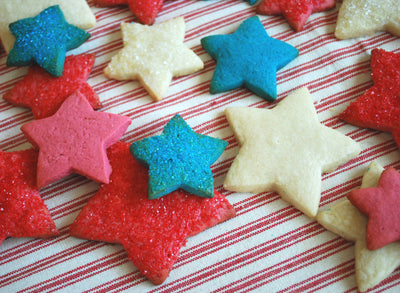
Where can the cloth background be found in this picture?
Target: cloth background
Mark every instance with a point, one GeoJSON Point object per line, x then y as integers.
{"type": "Point", "coordinates": [269, 246]}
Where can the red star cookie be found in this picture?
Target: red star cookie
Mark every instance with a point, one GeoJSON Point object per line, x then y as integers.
{"type": "Point", "coordinates": [44, 93]}
{"type": "Point", "coordinates": [379, 107]}
{"type": "Point", "coordinates": [22, 211]}
{"type": "Point", "coordinates": [381, 205]}
{"type": "Point", "coordinates": [145, 11]}
{"type": "Point", "coordinates": [74, 140]}
{"type": "Point", "coordinates": [151, 230]}
{"type": "Point", "coordinates": [295, 11]}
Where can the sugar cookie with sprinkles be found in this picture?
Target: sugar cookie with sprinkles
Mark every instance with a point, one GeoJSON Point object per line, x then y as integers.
{"type": "Point", "coordinates": [295, 11]}
{"type": "Point", "coordinates": [44, 93]}
{"type": "Point", "coordinates": [153, 55]}
{"type": "Point", "coordinates": [23, 212]}
{"type": "Point", "coordinates": [44, 40]}
{"type": "Point", "coordinates": [76, 12]}
{"type": "Point", "coordinates": [360, 18]}
{"type": "Point", "coordinates": [145, 11]}
{"type": "Point", "coordinates": [379, 108]}
{"type": "Point", "coordinates": [152, 231]}
{"type": "Point", "coordinates": [179, 158]}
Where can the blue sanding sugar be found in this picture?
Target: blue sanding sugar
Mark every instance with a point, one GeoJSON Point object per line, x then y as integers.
{"type": "Point", "coordinates": [44, 39]}
{"type": "Point", "coordinates": [179, 158]}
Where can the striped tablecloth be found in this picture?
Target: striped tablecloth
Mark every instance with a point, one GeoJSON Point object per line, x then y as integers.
{"type": "Point", "coordinates": [269, 246]}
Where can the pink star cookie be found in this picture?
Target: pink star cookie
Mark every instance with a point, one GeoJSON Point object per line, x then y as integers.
{"type": "Point", "coordinates": [74, 140]}
{"type": "Point", "coordinates": [381, 205]}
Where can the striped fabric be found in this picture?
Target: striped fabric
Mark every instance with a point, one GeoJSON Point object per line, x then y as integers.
{"type": "Point", "coordinates": [269, 246]}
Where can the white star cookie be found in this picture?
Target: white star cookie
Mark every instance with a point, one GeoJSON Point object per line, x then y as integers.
{"type": "Point", "coordinates": [76, 12]}
{"type": "Point", "coordinates": [153, 55]}
{"type": "Point", "coordinates": [344, 219]}
{"type": "Point", "coordinates": [286, 149]}
{"type": "Point", "coordinates": [359, 18]}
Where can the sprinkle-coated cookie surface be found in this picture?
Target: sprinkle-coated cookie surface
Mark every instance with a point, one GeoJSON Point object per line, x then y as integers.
{"type": "Point", "coordinates": [44, 93]}
{"type": "Point", "coordinates": [360, 18]}
{"type": "Point", "coordinates": [179, 158]}
{"type": "Point", "coordinates": [76, 12]}
{"type": "Point", "coordinates": [44, 40]}
{"type": "Point", "coordinates": [379, 107]}
{"type": "Point", "coordinates": [151, 231]}
{"type": "Point", "coordinates": [23, 212]}
{"type": "Point", "coordinates": [145, 11]}
{"type": "Point", "coordinates": [295, 11]}
{"type": "Point", "coordinates": [153, 55]}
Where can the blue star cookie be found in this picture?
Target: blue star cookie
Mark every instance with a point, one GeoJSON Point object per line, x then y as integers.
{"type": "Point", "coordinates": [179, 158]}
{"type": "Point", "coordinates": [44, 39]}
{"type": "Point", "coordinates": [248, 57]}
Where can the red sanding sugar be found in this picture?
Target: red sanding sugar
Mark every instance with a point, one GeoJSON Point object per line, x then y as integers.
{"type": "Point", "coordinates": [379, 107]}
{"type": "Point", "coordinates": [145, 11]}
{"type": "Point", "coordinates": [151, 231]}
{"type": "Point", "coordinates": [44, 93]}
{"type": "Point", "coordinates": [296, 12]}
{"type": "Point", "coordinates": [23, 212]}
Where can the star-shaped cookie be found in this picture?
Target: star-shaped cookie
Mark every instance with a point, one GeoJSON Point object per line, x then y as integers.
{"type": "Point", "coordinates": [76, 12]}
{"type": "Point", "coordinates": [179, 158]}
{"type": "Point", "coordinates": [74, 140]}
{"type": "Point", "coordinates": [44, 93]}
{"type": "Point", "coordinates": [145, 11]}
{"type": "Point", "coordinates": [379, 107]}
{"type": "Point", "coordinates": [344, 219]}
{"type": "Point", "coordinates": [286, 149]}
{"type": "Point", "coordinates": [248, 57]}
{"type": "Point", "coordinates": [23, 212]}
{"type": "Point", "coordinates": [153, 55]}
{"type": "Point", "coordinates": [381, 205]}
{"type": "Point", "coordinates": [296, 12]}
{"type": "Point", "coordinates": [359, 18]}
{"type": "Point", "coordinates": [44, 40]}
{"type": "Point", "coordinates": [151, 231]}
